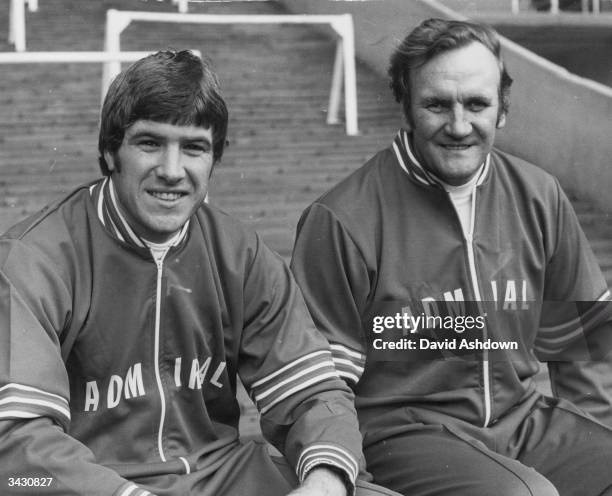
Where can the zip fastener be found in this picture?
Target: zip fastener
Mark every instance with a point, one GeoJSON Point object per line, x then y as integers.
{"type": "Point", "coordinates": [159, 256]}
{"type": "Point", "coordinates": [160, 264]}
{"type": "Point", "coordinates": [469, 238]}
{"type": "Point", "coordinates": [477, 296]}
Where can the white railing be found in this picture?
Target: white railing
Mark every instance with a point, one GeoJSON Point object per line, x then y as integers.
{"type": "Point", "coordinates": [72, 57]}
{"type": "Point", "coordinates": [554, 6]}
{"type": "Point", "coordinates": [596, 6]}
{"type": "Point", "coordinates": [344, 64]}
{"type": "Point", "coordinates": [17, 29]}
{"type": "Point", "coordinates": [69, 57]}
{"type": "Point", "coordinates": [182, 5]}
{"type": "Point", "coordinates": [76, 57]}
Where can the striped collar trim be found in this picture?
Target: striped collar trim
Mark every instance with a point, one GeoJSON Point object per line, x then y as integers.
{"type": "Point", "coordinates": [408, 161]}
{"type": "Point", "coordinates": [109, 214]}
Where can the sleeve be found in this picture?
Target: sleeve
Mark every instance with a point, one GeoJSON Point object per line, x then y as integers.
{"type": "Point", "coordinates": [335, 282]}
{"type": "Point", "coordinates": [306, 410]}
{"type": "Point", "coordinates": [35, 447]}
{"type": "Point", "coordinates": [575, 335]}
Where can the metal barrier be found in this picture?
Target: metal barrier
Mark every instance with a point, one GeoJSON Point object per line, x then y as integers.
{"type": "Point", "coordinates": [344, 64]}
{"type": "Point", "coordinates": [17, 30]}
{"type": "Point", "coordinates": [70, 57]}
{"type": "Point", "coordinates": [554, 6]}
{"type": "Point", "coordinates": [182, 5]}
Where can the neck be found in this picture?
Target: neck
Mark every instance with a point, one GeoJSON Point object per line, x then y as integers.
{"type": "Point", "coordinates": [112, 216]}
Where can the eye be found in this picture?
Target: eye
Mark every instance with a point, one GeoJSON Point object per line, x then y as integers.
{"type": "Point", "coordinates": [148, 144]}
{"type": "Point", "coordinates": [196, 149]}
{"type": "Point", "coordinates": [435, 107]}
{"type": "Point", "coordinates": [477, 106]}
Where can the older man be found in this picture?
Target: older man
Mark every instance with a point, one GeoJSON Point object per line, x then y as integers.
{"type": "Point", "coordinates": [129, 308]}
{"type": "Point", "coordinates": [439, 270]}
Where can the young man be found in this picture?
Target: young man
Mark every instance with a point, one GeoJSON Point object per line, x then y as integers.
{"type": "Point", "coordinates": [441, 233]}
{"type": "Point", "coordinates": [129, 307]}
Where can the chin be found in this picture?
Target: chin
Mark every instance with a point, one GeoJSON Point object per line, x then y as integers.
{"type": "Point", "coordinates": [163, 227]}
{"type": "Point", "coordinates": [464, 169]}
{"type": "Point", "coordinates": [456, 178]}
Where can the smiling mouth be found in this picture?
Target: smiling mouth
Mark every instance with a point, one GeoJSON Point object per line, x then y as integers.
{"type": "Point", "coordinates": [166, 195]}
{"type": "Point", "coordinates": [456, 147]}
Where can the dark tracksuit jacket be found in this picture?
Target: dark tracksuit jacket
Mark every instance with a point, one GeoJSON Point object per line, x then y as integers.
{"type": "Point", "coordinates": [387, 239]}
{"type": "Point", "coordinates": [114, 368]}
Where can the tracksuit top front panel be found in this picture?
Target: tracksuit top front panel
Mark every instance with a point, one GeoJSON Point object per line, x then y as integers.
{"type": "Point", "coordinates": [196, 342]}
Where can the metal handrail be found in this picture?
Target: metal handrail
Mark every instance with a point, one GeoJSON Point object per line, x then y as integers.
{"type": "Point", "coordinates": [554, 6]}
{"type": "Point", "coordinates": [344, 66]}
{"type": "Point", "coordinates": [70, 57]}
{"type": "Point", "coordinates": [182, 5]}
{"type": "Point", "coordinates": [76, 57]}
{"type": "Point", "coordinates": [17, 30]}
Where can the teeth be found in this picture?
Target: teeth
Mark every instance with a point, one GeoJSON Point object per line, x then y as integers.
{"type": "Point", "coordinates": [166, 196]}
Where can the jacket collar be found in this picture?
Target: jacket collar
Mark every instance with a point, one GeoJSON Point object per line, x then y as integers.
{"type": "Point", "coordinates": [408, 161]}
{"type": "Point", "coordinates": [109, 214]}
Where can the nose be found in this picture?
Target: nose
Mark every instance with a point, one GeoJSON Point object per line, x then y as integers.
{"type": "Point", "coordinates": [170, 167]}
{"type": "Point", "coordinates": [458, 126]}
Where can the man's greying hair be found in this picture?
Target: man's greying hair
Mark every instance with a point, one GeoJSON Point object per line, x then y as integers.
{"type": "Point", "coordinates": [433, 37]}
{"type": "Point", "coordinates": [168, 87]}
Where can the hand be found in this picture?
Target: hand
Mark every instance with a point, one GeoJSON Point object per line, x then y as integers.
{"type": "Point", "coordinates": [321, 481]}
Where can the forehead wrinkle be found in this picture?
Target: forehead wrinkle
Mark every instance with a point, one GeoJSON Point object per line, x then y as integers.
{"type": "Point", "coordinates": [471, 62]}
{"type": "Point", "coordinates": [455, 88]}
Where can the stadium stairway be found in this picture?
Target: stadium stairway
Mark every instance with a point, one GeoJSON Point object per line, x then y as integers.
{"type": "Point", "coordinates": [276, 81]}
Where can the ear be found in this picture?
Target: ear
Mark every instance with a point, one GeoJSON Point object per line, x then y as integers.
{"type": "Point", "coordinates": [110, 161]}
{"type": "Point", "coordinates": [501, 120]}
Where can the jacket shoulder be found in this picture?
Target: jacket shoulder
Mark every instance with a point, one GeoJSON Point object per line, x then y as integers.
{"type": "Point", "coordinates": [211, 217]}
{"type": "Point", "coordinates": [530, 175]}
{"type": "Point", "coordinates": [52, 214]}
{"type": "Point", "coordinates": [225, 236]}
{"type": "Point", "coordinates": [371, 180]}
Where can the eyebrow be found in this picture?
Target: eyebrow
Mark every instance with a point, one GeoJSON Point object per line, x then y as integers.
{"type": "Point", "coordinates": [162, 137]}
{"type": "Point", "coordinates": [428, 100]}
{"type": "Point", "coordinates": [436, 100]}
{"type": "Point", "coordinates": [479, 98]}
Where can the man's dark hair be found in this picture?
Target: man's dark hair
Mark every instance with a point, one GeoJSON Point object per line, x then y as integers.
{"type": "Point", "coordinates": [169, 87]}
{"type": "Point", "coordinates": [433, 37]}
